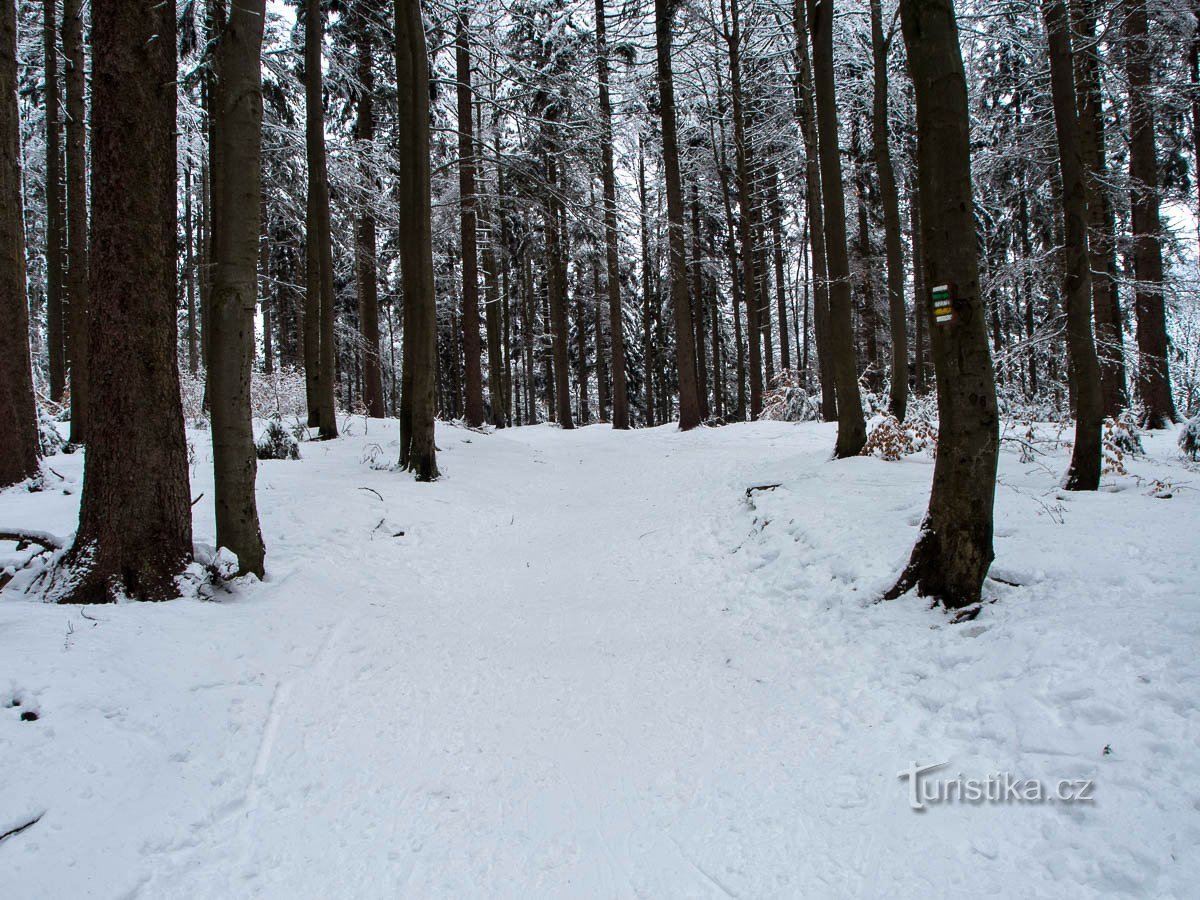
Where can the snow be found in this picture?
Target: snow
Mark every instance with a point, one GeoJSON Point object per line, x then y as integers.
{"type": "Point", "coordinates": [589, 664]}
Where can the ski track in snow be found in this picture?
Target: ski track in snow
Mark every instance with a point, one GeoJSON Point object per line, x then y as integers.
{"type": "Point", "coordinates": [592, 666]}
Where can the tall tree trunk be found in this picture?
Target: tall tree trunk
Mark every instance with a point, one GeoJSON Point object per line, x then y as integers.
{"type": "Point", "coordinates": [1084, 471]}
{"type": "Point", "coordinates": [852, 430]}
{"type": "Point", "coordinates": [919, 302]}
{"type": "Point", "coordinates": [55, 320]}
{"type": "Point", "coordinates": [18, 412]}
{"type": "Point", "coordinates": [556, 287]}
{"type": "Point", "coordinates": [319, 229]}
{"type": "Point", "coordinates": [890, 198]}
{"type": "Point", "coordinates": [418, 452]}
{"type": "Point", "coordinates": [1106, 305]}
{"type": "Point", "coordinates": [647, 286]}
{"type": "Point", "coordinates": [616, 319]}
{"type": "Point", "coordinates": [236, 159]}
{"type": "Point", "coordinates": [685, 350]}
{"type": "Point", "coordinates": [814, 207]}
{"type": "Point", "coordinates": [264, 268]}
{"type": "Point", "coordinates": [466, 192]}
{"type": "Point", "coordinates": [189, 273]}
{"type": "Point", "coordinates": [135, 519]}
{"type": "Point", "coordinates": [1154, 381]}
{"type": "Point", "coordinates": [602, 392]}
{"type": "Point", "coordinates": [77, 216]}
{"type": "Point", "coordinates": [954, 550]}
{"type": "Point", "coordinates": [746, 219]}
{"type": "Point", "coordinates": [698, 305]}
{"type": "Point", "coordinates": [785, 353]}
{"type": "Point", "coordinates": [365, 244]}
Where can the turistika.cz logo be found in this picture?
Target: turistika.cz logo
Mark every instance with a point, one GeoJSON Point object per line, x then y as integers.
{"type": "Point", "coordinates": [998, 787]}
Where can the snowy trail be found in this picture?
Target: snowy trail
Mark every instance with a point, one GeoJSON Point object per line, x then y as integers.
{"type": "Point", "coordinates": [592, 668]}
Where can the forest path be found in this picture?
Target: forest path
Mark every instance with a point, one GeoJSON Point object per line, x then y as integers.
{"type": "Point", "coordinates": [591, 666]}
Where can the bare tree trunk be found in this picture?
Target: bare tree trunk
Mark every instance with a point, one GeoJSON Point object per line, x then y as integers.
{"type": "Point", "coordinates": [236, 159]}
{"type": "Point", "coordinates": [189, 273]}
{"type": "Point", "coordinates": [77, 216]}
{"type": "Point", "coordinates": [1084, 471]}
{"type": "Point", "coordinates": [1154, 381]}
{"type": "Point", "coordinates": [890, 198]}
{"type": "Point", "coordinates": [807, 118]}
{"type": "Point", "coordinates": [55, 320]}
{"type": "Point", "coordinates": [685, 351]}
{"type": "Point", "coordinates": [698, 306]}
{"type": "Point", "coordinates": [473, 412]}
{"type": "Point", "coordinates": [418, 452]}
{"type": "Point", "coordinates": [852, 430]}
{"type": "Point", "coordinates": [616, 320]}
{"type": "Point", "coordinates": [135, 522]}
{"type": "Point", "coordinates": [647, 286]}
{"type": "Point", "coordinates": [1106, 305]}
{"type": "Point", "coordinates": [785, 354]}
{"type": "Point", "coordinates": [365, 244]}
{"type": "Point", "coordinates": [18, 413]}
{"type": "Point", "coordinates": [265, 292]}
{"type": "Point", "coordinates": [741, 152]}
{"type": "Point", "coordinates": [919, 314]}
{"type": "Point", "coordinates": [319, 233]}
{"type": "Point", "coordinates": [556, 290]}
{"type": "Point", "coordinates": [954, 551]}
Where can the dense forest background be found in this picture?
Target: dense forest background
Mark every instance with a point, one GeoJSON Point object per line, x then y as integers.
{"type": "Point", "coordinates": [515, 93]}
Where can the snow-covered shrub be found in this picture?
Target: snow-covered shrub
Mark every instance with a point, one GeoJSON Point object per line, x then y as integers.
{"type": "Point", "coordinates": [280, 393]}
{"type": "Point", "coordinates": [49, 438]}
{"type": "Point", "coordinates": [1189, 438]}
{"type": "Point", "coordinates": [788, 401]}
{"type": "Point", "coordinates": [1121, 438]}
{"type": "Point", "coordinates": [277, 443]}
{"type": "Point", "coordinates": [889, 438]}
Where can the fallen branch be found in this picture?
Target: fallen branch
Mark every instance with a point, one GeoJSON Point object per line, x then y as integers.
{"type": "Point", "coordinates": [15, 831]}
{"type": "Point", "coordinates": [761, 487]}
{"type": "Point", "coordinates": [23, 537]}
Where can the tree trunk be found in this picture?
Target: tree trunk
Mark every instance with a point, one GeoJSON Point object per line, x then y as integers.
{"type": "Point", "coordinates": [473, 413]}
{"type": "Point", "coordinates": [954, 550]}
{"type": "Point", "coordinates": [750, 274]}
{"type": "Point", "coordinates": [557, 297]}
{"type": "Point", "coordinates": [55, 320]}
{"type": "Point", "coordinates": [77, 216]}
{"type": "Point", "coordinates": [1154, 382]}
{"type": "Point", "coordinates": [785, 353]}
{"type": "Point", "coordinates": [890, 198]}
{"type": "Point", "coordinates": [365, 244]}
{"type": "Point", "coordinates": [698, 306]}
{"type": "Point", "coordinates": [1084, 471]}
{"type": "Point", "coordinates": [1106, 305]}
{"type": "Point", "coordinates": [647, 286]}
{"type": "Point", "coordinates": [418, 452]}
{"type": "Point", "coordinates": [919, 314]}
{"type": "Point", "coordinates": [685, 350]}
{"type": "Point", "coordinates": [616, 319]}
{"type": "Point", "coordinates": [852, 431]}
{"type": "Point", "coordinates": [135, 522]}
{"type": "Point", "coordinates": [807, 118]}
{"type": "Point", "coordinates": [319, 232]}
{"type": "Point", "coordinates": [236, 159]}
{"type": "Point", "coordinates": [18, 412]}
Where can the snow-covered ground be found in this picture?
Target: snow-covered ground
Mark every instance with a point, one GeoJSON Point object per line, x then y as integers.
{"type": "Point", "coordinates": [588, 664]}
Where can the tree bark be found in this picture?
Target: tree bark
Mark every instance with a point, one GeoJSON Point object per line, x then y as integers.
{"type": "Point", "coordinates": [1154, 381]}
{"type": "Point", "coordinates": [365, 232]}
{"type": "Point", "coordinates": [1106, 305]}
{"type": "Point", "coordinates": [890, 198]}
{"type": "Point", "coordinates": [852, 431]}
{"type": "Point", "coordinates": [418, 453]}
{"type": "Point", "coordinates": [236, 160]}
{"type": "Point", "coordinates": [750, 274]}
{"type": "Point", "coordinates": [1084, 471]}
{"type": "Point", "coordinates": [616, 319]}
{"type": "Point", "coordinates": [807, 119]}
{"type": "Point", "coordinates": [473, 413]}
{"type": "Point", "coordinates": [77, 216]}
{"type": "Point", "coordinates": [320, 238]}
{"type": "Point", "coordinates": [55, 319]}
{"type": "Point", "coordinates": [685, 350]}
{"type": "Point", "coordinates": [954, 550]}
{"type": "Point", "coordinates": [18, 412]}
{"type": "Point", "coordinates": [135, 523]}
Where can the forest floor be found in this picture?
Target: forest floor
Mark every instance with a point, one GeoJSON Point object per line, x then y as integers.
{"type": "Point", "coordinates": [590, 664]}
